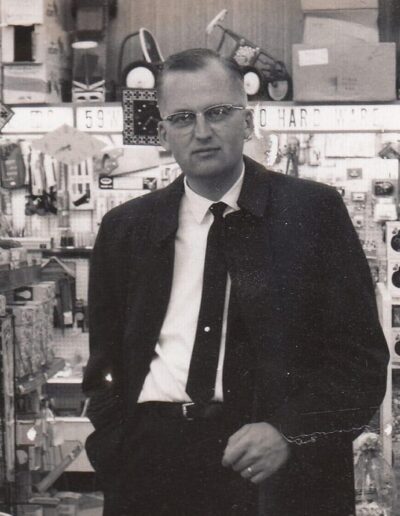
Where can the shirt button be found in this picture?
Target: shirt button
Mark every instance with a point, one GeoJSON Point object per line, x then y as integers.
{"type": "Point", "coordinates": [207, 329]}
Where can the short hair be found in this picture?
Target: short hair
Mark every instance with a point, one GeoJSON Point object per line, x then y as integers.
{"type": "Point", "coordinates": [197, 59]}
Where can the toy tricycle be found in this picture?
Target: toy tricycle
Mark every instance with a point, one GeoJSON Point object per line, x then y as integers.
{"type": "Point", "coordinates": [262, 73]}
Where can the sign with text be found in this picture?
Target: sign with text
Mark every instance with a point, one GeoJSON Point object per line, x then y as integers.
{"type": "Point", "coordinates": [99, 119]}
{"type": "Point", "coordinates": [6, 114]}
{"type": "Point", "coordinates": [323, 118]}
{"type": "Point", "coordinates": [30, 120]}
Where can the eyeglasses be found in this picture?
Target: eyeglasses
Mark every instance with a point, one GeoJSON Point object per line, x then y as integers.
{"type": "Point", "coordinates": [212, 114]}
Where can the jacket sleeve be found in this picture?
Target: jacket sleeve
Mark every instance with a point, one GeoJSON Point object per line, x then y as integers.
{"type": "Point", "coordinates": [345, 390]}
{"type": "Point", "coordinates": [99, 382]}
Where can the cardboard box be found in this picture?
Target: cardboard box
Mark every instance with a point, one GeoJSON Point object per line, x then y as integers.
{"type": "Point", "coordinates": [30, 12]}
{"type": "Point", "coordinates": [327, 5]}
{"type": "Point", "coordinates": [42, 292]}
{"type": "Point", "coordinates": [29, 432]}
{"type": "Point", "coordinates": [366, 17]}
{"type": "Point", "coordinates": [5, 258]}
{"type": "Point", "coordinates": [30, 83]}
{"type": "Point", "coordinates": [334, 73]}
{"type": "Point", "coordinates": [320, 30]}
{"type": "Point", "coordinates": [25, 313]}
{"type": "Point", "coordinates": [3, 305]}
{"type": "Point", "coordinates": [23, 366]}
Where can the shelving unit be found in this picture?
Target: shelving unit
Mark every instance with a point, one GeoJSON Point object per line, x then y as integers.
{"type": "Point", "coordinates": [22, 408]}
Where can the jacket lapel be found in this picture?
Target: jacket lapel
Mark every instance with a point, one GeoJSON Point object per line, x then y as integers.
{"type": "Point", "coordinates": [248, 247]}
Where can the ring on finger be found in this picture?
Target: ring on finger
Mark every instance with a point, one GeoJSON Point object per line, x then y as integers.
{"type": "Point", "coordinates": [249, 471]}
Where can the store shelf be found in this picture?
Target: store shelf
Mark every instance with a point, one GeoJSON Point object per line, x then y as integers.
{"type": "Point", "coordinates": [15, 278]}
{"type": "Point", "coordinates": [66, 380]}
{"type": "Point", "coordinates": [68, 252]}
{"type": "Point", "coordinates": [32, 383]}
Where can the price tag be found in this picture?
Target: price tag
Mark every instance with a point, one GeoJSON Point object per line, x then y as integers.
{"type": "Point", "coordinates": [99, 119]}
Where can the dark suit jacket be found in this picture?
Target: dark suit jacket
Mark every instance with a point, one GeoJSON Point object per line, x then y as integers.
{"type": "Point", "coordinates": [303, 291]}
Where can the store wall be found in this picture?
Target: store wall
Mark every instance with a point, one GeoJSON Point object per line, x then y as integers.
{"type": "Point", "coordinates": [178, 24]}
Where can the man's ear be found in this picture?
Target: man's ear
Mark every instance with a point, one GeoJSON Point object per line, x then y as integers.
{"type": "Point", "coordinates": [163, 135]}
{"type": "Point", "coordinates": [248, 123]}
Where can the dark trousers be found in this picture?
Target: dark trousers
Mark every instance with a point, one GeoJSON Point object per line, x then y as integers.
{"type": "Point", "coordinates": [172, 467]}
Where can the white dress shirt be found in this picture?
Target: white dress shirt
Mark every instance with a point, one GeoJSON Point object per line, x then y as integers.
{"type": "Point", "coordinates": [166, 380]}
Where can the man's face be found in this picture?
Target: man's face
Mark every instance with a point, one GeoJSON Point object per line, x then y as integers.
{"type": "Point", "coordinates": [205, 151]}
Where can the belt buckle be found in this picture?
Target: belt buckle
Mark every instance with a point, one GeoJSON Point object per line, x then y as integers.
{"type": "Point", "coordinates": [185, 412]}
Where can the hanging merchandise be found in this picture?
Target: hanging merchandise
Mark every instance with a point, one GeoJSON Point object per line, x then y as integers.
{"type": "Point", "coordinates": [374, 479]}
{"type": "Point", "coordinates": [12, 166]}
{"type": "Point", "coordinates": [37, 173]}
{"type": "Point", "coordinates": [263, 75]}
{"type": "Point", "coordinates": [80, 185]}
{"type": "Point", "coordinates": [42, 193]}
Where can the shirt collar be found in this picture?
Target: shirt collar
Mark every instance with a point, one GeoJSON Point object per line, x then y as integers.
{"type": "Point", "coordinates": [200, 205]}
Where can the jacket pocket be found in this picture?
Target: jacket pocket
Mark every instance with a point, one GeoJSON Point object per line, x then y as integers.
{"type": "Point", "coordinates": [104, 445]}
{"type": "Point", "coordinates": [104, 450]}
{"type": "Point", "coordinates": [105, 408]}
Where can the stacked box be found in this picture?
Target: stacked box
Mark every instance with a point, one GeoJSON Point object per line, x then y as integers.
{"type": "Point", "coordinates": [4, 259]}
{"type": "Point", "coordinates": [29, 510]}
{"type": "Point", "coordinates": [43, 291]}
{"type": "Point", "coordinates": [328, 21]}
{"type": "Point", "coordinates": [7, 352]}
{"type": "Point", "coordinates": [39, 77]}
{"type": "Point", "coordinates": [364, 72]}
{"type": "Point", "coordinates": [18, 257]}
{"type": "Point", "coordinates": [3, 304]}
{"type": "Point", "coordinates": [23, 348]}
{"type": "Point", "coordinates": [33, 312]}
{"type": "Point", "coordinates": [341, 58]}
{"type": "Point", "coordinates": [321, 30]}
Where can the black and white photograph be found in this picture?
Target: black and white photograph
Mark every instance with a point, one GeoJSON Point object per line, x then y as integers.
{"type": "Point", "coordinates": [199, 258]}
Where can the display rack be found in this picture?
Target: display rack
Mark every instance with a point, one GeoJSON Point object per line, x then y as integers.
{"type": "Point", "coordinates": [18, 393]}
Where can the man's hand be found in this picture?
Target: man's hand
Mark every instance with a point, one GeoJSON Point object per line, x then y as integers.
{"type": "Point", "coordinates": [256, 451]}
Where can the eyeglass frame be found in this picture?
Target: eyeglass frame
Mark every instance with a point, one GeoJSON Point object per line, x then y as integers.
{"type": "Point", "coordinates": [197, 113]}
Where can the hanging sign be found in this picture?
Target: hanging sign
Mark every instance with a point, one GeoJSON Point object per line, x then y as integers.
{"type": "Point", "coordinates": [40, 119]}
{"type": "Point", "coordinates": [99, 119]}
{"type": "Point", "coordinates": [323, 118]}
{"type": "Point", "coordinates": [6, 114]}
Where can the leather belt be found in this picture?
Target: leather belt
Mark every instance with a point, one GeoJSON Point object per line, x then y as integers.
{"type": "Point", "coordinates": [189, 411]}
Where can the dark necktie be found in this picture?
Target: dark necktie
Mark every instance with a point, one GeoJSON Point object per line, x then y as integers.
{"type": "Point", "coordinates": [203, 364]}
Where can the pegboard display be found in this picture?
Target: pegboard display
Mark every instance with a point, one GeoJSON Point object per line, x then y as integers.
{"type": "Point", "coordinates": [367, 182]}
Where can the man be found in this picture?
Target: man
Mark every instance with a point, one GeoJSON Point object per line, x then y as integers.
{"type": "Point", "coordinates": [234, 314]}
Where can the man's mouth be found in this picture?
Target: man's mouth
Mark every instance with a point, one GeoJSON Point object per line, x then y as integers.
{"type": "Point", "coordinates": [205, 151]}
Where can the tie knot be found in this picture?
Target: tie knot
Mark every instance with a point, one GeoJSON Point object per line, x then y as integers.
{"type": "Point", "coordinates": [217, 209]}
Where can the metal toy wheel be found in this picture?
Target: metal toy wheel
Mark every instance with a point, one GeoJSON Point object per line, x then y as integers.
{"type": "Point", "coordinates": [278, 90]}
{"type": "Point", "coordinates": [252, 82]}
{"type": "Point", "coordinates": [139, 75]}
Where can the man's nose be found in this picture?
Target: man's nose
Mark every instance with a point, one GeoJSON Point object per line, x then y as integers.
{"type": "Point", "coordinates": [202, 128]}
